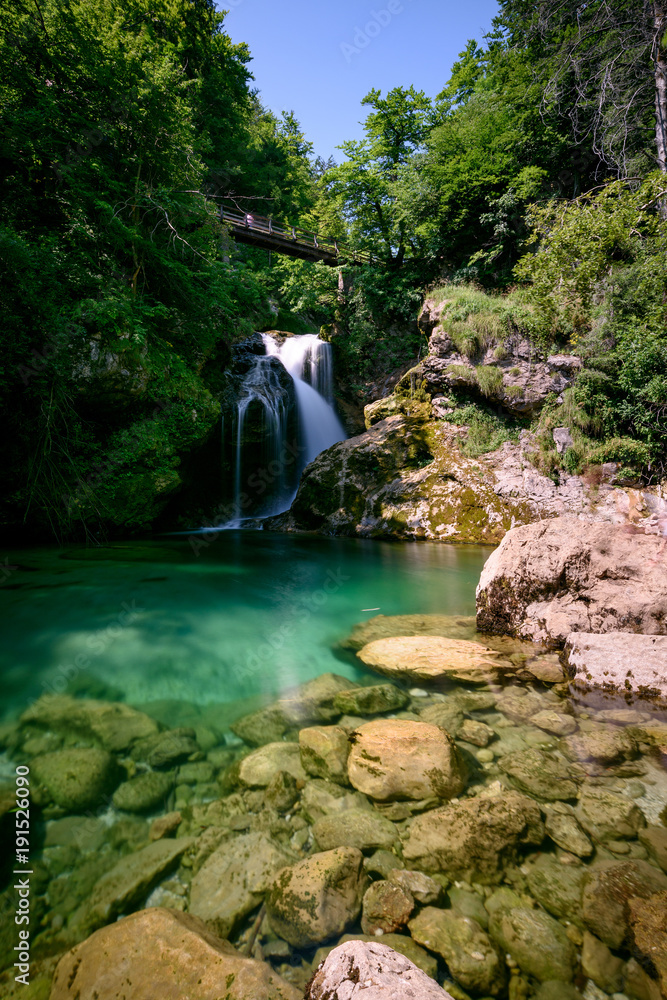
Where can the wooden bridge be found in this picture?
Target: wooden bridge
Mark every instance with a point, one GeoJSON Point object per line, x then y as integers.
{"type": "Point", "coordinates": [260, 231]}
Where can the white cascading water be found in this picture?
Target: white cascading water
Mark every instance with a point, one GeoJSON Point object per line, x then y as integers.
{"type": "Point", "coordinates": [308, 361]}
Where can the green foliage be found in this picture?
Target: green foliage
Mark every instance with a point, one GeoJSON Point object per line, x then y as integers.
{"type": "Point", "coordinates": [489, 379]}
{"type": "Point", "coordinates": [475, 319]}
{"type": "Point", "coordinates": [486, 430]}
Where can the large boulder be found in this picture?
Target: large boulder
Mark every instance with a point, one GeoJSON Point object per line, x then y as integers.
{"type": "Point", "coordinates": [400, 759]}
{"type": "Point", "coordinates": [550, 579]}
{"type": "Point", "coordinates": [474, 838]}
{"type": "Point", "coordinates": [318, 897]}
{"type": "Point", "coordinates": [113, 725]}
{"type": "Point", "coordinates": [419, 658]}
{"type": "Point", "coordinates": [78, 779]}
{"type": "Point", "coordinates": [233, 880]}
{"type": "Point", "coordinates": [385, 974]}
{"type": "Point", "coordinates": [617, 661]}
{"type": "Point", "coordinates": [470, 954]}
{"type": "Point", "coordinates": [166, 954]}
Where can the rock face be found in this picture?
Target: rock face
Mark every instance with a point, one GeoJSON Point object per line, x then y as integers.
{"type": "Point", "coordinates": [385, 974]}
{"type": "Point", "coordinates": [419, 658]}
{"type": "Point", "coordinates": [318, 897]}
{"type": "Point", "coordinates": [474, 837]}
{"type": "Point", "coordinates": [618, 660]}
{"type": "Point", "coordinates": [233, 880]}
{"type": "Point", "coordinates": [397, 759]}
{"type": "Point", "coordinates": [162, 953]}
{"type": "Point", "coordinates": [548, 580]}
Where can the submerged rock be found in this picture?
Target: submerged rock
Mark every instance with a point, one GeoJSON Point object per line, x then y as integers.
{"type": "Point", "coordinates": [371, 700]}
{"type": "Point", "coordinates": [386, 908]}
{"type": "Point", "coordinates": [131, 879]}
{"type": "Point", "coordinates": [162, 953]}
{"type": "Point", "coordinates": [362, 828]}
{"type": "Point", "coordinates": [558, 887]}
{"type": "Point", "coordinates": [469, 952]}
{"type": "Point", "coordinates": [561, 576]}
{"type": "Point", "coordinates": [233, 880]}
{"type": "Point", "coordinates": [258, 768]}
{"type": "Point", "coordinates": [399, 759]}
{"type": "Point", "coordinates": [324, 752]}
{"type": "Point", "coordinates": [606, 815]}
{"type": "Point", "coordinates": [474, 838]}
{"type": "Point", "coordinates": [77, 779]}
{"type": "Point", "coordinates": [429, 658]}
{"type": "Point", "coordinates": [539, 774]}
{"type": "Point", "coordinates": [318, 897]}
{"type": "Point", "coordinates": [536, 942]}
{"type": "Point", "coordinates": [388, 626]}
{"type": "Point", "coordinates": [424, 889]}
{"type": "Point", "coordinates": [561, 825]}
{"type": "Point", "coordinates": [143, 792]}
{"type": "Point", "coordinates": [648, 927]}
{"type": "Point", "coordinates": [311, 702]}
{"type": "Point", "coordinates": [113, 725]}
{"type": "Point", "coordinates": [385, 974]}
{"type": "Point", "coordinates": [608, 887]}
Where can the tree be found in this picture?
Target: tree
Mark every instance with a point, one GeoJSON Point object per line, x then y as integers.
{"type": "Point", "coordinates": [604, 67]}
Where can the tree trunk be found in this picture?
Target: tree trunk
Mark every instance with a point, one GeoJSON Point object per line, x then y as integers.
{"type": "Point", "coordinates": [660, 26]}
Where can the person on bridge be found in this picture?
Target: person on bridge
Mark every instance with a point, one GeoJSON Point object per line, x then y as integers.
{"type": "Point", "coordinates": [249, 221]}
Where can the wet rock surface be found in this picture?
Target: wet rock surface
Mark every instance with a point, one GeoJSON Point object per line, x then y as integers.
{"type": "Point", "coordinates": [385, 975]}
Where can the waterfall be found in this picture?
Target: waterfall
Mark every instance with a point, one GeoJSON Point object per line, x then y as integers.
{"type": "Point", "coordinates": [266, 465]}
{"type": "Point", "coordinates": [308, 360]}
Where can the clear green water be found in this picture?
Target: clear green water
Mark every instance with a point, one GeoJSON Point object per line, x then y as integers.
{"type": "Point", "coordinates": [252, 614]}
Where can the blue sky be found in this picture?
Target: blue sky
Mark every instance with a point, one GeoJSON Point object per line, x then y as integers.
{"type": "Point", "coordinates": [318, 58]}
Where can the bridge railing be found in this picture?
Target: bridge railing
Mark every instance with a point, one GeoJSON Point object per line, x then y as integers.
{"type": "Point", "coordinates": [302, 237]}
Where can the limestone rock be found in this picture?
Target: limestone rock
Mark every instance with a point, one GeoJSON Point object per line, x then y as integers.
{"type": "Point", "coordinates": [385, 974]}
{"type": "Point", "coordinates": [598, 964]}
{"type": "Point", "coordinates": [78, 779]}
{"type": "Point", "coordinates": [654, 839]}
{"type": "Point", "coordinates": [165, 825]}
{"type": "Point", "coordinates": [365, 829]}
{"type": "Point", "coordinates": [311, 702]}
{"type": "Point", "coordinates": [536, 942]}
{"type": "Point", "coordinates": [172, 747]}
{"type": "Point", "coordinates": [445, 714]}
{"type": "Point", "coordinates": [387, 626]}
{"type": "Point", "coordinates": [474, 837]}
{"type": "Point", "coordinates": [558, 887]}
{"type": "Point", "coordinates": [132, 878]}
{"type": "Point", "coordinates": [233, 880]}
{"type": "Point", "coordinates": [606, 815]}
{"type": "Point", "coordinates": [428, 658]}
{"type": "Point", "coordinates": [257, 769]}
{"type": "Point", "coordinates": [323, 798]}
{"type": "Point", "coordinates": [114, 725]}
{"type": "Point", "coordinates": [371, 700]}
{"type": "Point", "coordinates": [386, 908]}
{"type": "Point", "coordinates": [402, 943]}
{"type": "Point", "coordinates": [539, 774]}
{"type": "Point", "coordinates": [399, 759]}
{"type": "Point", "coordinates": [648, 926]}
{"type": "Point", "coordinates": [166, 954]}
{"type": "Point", "coordinates": [281, 792]}
{"type": "Point", "coordinates": [143, 792]}
{"type": "Point", "coordinates": [561, 825]}
{"type": "Point", "coordinates": [318, 897]}
{"type": "Point", "coordinates": [424, 889]}
{"type": "Point", "coordinates": [618, 661]}
{"type": "Point", "coordinates": [603, 744]}
{"type": "Point", "coordinates": [324, 751]}
{"type": "Point", "coordinates": [608, 887]}
{"type": "Point", "coordinates": [563, 575]}
{"type": "Point", "coordinates": [554, 722]}
{"type": "Point", "coordinates": [469, 952]}
{"type": "Point", "coordinates": [477, 733]}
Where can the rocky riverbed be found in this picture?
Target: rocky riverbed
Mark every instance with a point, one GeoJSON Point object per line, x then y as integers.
{"type": "Point", "coordinates": [467, 808]}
